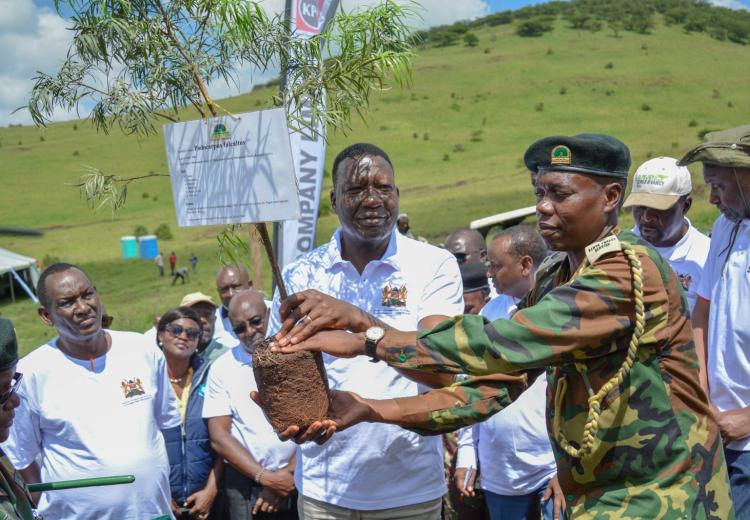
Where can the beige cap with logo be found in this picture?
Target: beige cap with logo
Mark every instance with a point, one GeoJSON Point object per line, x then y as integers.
{"type": "Point", "coordinates": [196, 297]}
{"type": "Point", "coordinates": [659, 183]}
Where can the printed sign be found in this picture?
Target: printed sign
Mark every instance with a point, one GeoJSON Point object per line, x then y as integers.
{"type": "Point", "coordinates": [295, 238]}
{"type": "Point", "coordinates": [309, 15]}
{"type": "Point", "coordinates": [227, 170]}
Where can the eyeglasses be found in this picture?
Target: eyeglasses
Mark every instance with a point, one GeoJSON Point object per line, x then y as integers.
{"type": "Point", "coordinates": [177, 330]}
{"type": "Point", "coordinates": [256, 323]}
{"type": "Point", "coordinates": [13, 388]}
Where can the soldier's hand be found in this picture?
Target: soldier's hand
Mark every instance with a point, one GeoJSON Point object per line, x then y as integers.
{"type": "Point", "coordinates": [318, 432]}
{"type": "Point", "coordinates": [337, 343]}
{"type": "Point", "coordinates": [268, 502]}
{"type": "Point", "coordinates": [554, 491]}
{"type": "Point", "coordinates": [307, 312]}
{"type": "Point", "coordinates": [459, 477]}
{"type": "Point", "coordinates": [734, 424]}
{"type": "Point", "coordinates": [345, 409]}
{"type": "Point", "coordinates": [281, 482]}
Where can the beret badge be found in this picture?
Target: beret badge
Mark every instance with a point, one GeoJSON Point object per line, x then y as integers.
{"type": "Point", "coordinates": [560, 155]}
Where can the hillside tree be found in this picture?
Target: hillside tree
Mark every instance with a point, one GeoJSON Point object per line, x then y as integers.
{"type": "Point", "coordinates": [135, 62]}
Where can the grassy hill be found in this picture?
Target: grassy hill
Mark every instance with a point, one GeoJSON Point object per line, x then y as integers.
{"type": "Point", "coordinates": [456, 139]}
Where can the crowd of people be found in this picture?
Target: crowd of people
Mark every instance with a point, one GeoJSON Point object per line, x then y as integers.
{"type": "Point", "coordinates": [562, 356]}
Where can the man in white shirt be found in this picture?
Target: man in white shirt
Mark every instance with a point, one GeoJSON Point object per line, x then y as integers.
{"type": "Point", "coordinates": [721, 320]}
{"type": "Point", "coordinates": [512, 447]}
{"type": "Point", "coordinates": [372, 470]}
{"type": "Point", "coordinates": [93, 404]}
{"type": "Point", "coordinates": [258, 476]}
{"type": "Point", "coordinates": [660, 200]}
{"type": "Point", "coordinates": [230, 280]}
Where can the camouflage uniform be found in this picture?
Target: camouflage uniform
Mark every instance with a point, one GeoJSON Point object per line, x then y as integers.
{"type": "Point", "coordinates": [657, 452]}
{"type": "Point", "coordinates": [15, 502]}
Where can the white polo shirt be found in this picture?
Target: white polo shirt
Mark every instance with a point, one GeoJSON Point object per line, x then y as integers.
{"type": "Point", "coordinates": [376, 466]}
{"type": "Point", "coordinates": [97, 423]}
{"type": "Point", "coordinates": [687, 258]}
{"type": "Point", "coordinates": [227, 392]}
{"type": "Point", "coordinates": [728, 289]}
{"type": "Point", "coordinates": [513, 446]}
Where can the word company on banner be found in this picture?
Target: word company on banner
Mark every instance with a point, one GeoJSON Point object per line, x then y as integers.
{"type": "Point", "coordinates": [307, 18]}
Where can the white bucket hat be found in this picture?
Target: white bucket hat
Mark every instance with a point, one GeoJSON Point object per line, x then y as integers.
{"type": "Point", "coordinates": [659, 183]}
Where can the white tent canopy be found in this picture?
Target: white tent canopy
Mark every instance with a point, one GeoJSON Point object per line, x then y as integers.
{"type": "Point", "coordinates": [22, 268]}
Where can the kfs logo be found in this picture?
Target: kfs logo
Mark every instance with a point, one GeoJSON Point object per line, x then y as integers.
{"type": "Point", "coordinates": [308, 15]}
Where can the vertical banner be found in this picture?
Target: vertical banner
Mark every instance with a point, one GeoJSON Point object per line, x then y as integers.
{"type": "Point", "coordinates": [295, 237]}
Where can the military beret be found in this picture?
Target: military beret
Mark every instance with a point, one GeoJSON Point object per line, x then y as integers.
{"type": "Point", "coordinates": [474, 277]}
{"type": "Point", "coordinates": [593, 154]}
{"type": "Point", "coordinates": [8, 345]}
{"type": "Point", "coordinates": [729, 148]}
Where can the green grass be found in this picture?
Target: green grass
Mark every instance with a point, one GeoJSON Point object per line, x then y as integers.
{"type": "Point", "coordinates": [493, 87]}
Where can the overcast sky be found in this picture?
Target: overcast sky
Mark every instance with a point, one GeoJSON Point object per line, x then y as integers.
{"type": "Point", "coordinates": [35, 39]}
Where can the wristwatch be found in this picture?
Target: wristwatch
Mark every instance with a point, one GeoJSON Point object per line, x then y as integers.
{"type": "Point", "coordinates": [372, 336]}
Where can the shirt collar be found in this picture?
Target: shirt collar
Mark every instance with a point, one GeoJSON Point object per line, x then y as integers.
{"type": "Point", "coordinates": [242, 356]}
{"type": "Point", "coordinates": [390, 256]}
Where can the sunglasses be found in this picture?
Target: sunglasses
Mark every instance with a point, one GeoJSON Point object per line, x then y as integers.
{"type": "Point", "coordinates": [255, 323]}
{"type": "Point", "coordinates": [177, 330]}
{"type": "Point", "coordinates": [13, 388]}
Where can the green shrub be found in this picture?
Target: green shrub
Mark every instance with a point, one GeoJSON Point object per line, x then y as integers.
{"type": "Point", "coordinates": [471, 39]}
{"type": "Point", "coordinates": [163, 232]}
{"type": "Point", "coordinates": [140, 231]}
{"type": "Point", "coordinates": [533, 28]}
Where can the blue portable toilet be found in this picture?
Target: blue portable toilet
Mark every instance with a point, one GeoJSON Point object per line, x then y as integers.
{"type": "Point", "coordinates": [129, 247]}
{"type": "Point", "coordinates": [148, 246]}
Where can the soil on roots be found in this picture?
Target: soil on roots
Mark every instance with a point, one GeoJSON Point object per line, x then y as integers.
{"type": "Point", "coordinates": [293, 388]}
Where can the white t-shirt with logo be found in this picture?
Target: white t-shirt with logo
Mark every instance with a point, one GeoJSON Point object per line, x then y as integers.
{"type": "Point", "coordinates": [513, 446]}
{"type": "Point", "coordinates": [227, 392]}
{"type": "Point", "coordinates": [687, 258]}
{"type": "Point", "coordinates": [376, 466]}
{"type": "Point", "coordinates": [97, 423]}
{"type": "Point", "coordinates": [726, 284]}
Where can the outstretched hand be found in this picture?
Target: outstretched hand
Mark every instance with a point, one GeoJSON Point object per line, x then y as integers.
{"type": "Point", "coordinates": [345, 409]}
{"type": "Point", "coordinates": [338, 343]}
{"type": "Point", "coordinates": [307, 312]}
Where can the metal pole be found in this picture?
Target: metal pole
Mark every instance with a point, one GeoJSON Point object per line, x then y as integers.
{"type": "Point", "coordinates": [278, 242]}
{"type": "Point", "coordinates": [12, 291]}
{"type": "Point", "coordinates": [79, 483]}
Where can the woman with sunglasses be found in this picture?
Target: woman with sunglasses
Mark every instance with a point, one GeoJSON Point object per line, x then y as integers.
{"type": "Point", "coordinates": [194, 467]}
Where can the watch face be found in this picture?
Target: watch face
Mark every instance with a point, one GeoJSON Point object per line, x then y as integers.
{"type": "Point", "coordinates": [374, 333]}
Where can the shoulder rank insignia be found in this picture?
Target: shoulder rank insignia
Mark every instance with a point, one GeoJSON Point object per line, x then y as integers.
{"type": "Point", "coordinates": [608, 244]}
{"type": "Point", "coordinates": [560, 155]}
{"type": "Point", "coordinates": [394, 296]}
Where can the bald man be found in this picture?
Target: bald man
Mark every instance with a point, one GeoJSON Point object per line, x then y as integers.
{"type": "Point", "coordinates": [467, 245]}
{"type": "Point", "coordinates": [230, 280]}
{"type": "Point", "coordinates": [258, 475]}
